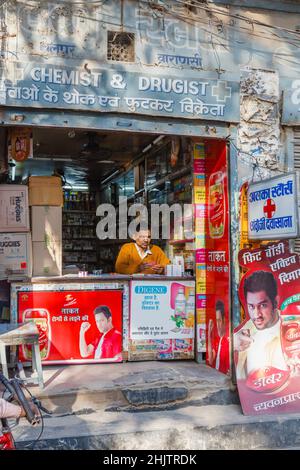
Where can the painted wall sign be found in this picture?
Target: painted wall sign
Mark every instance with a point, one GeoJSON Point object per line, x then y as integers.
{"type": "Point", "coordinates": [95, 89]}
{"type": "Point", "coordinates": [272, 208]}
{"type": "Point", "coordinates": [267, 342]}
{"type": "Point", "coordinates": [193, 61]}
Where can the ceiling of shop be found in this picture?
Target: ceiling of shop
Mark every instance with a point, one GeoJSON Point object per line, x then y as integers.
{"type": "Point", "coordinates": [82, 157]}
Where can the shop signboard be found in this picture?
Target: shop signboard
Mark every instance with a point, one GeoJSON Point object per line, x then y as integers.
{"type": "Point", "coordinates": [217, 258]}
{"type": "Point", "coordinates": [71, 330]}
{"type": "Point", "coordinates": [272, 208]}
{"type": "Point", "coordinates": [110, 90]}
{"type": "Point", "coordinates": [267, 342]}
{"type": "Point", "coordinates": [162, 318]}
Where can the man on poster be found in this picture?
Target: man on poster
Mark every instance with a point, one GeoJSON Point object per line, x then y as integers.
{"type": "Point", "coordinates": [258, 344]}
{"type": "Point", "coordinates": [218, 346]}
{"type": "Point", "coordinates": [109, 345]}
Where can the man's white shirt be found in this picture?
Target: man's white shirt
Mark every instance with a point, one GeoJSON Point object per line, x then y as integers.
{"type": "Point", "coordinates": [143, 253]}
{"type": "Point", "coordinates": [257, 353]}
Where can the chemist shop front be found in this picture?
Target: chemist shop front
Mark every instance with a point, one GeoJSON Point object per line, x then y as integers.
{"type": "Point", "coordinates": [155, 148]}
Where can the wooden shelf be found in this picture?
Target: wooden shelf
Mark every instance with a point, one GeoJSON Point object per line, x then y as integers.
{"type": "Point", "coordinates": [114, 242]}
{"type": "Point", "coordinates": [80, 262]}
{"type": "Point", "coordinates": [177, 242]}
{"type": "Point", "coordinates": [80, 238]}
{"type": "Point", "coordinates": [77, 211]}
{"type": "Point", "coordinates": [77, 249]}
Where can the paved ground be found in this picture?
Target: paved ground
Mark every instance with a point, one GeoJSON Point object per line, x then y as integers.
{"type": "Point", "coordinates": [151, 405]}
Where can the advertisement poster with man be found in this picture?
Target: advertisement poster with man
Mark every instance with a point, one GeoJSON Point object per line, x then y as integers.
{"type": "Point", "coordinates": [267, 343]}
{"type": "Point", "coordinates": [74, 326]}
{"type": "Point", "coordinates": [217, 258]}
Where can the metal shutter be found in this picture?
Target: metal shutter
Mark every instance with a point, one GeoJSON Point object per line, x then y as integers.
{"type": "Point", "coordinates": [297, 169]}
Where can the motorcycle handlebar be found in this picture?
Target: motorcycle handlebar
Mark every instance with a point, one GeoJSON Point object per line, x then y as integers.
{"type": "Point", "coordinates": [7, 385]}
{"type": "Point", "coordinates": [30, 416]}
{"type": "Point", "coordinates": [15, 389]}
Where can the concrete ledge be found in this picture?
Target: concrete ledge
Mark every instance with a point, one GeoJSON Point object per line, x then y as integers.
{"type": "Point", "coordinates": [206, 427]}
{"type": "Point", "coordinates": [71, 388]}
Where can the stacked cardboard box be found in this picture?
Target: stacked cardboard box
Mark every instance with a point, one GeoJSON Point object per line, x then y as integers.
{"type": "Point", "coordinates": [46, 240]}
{"type": "Point", "coordinates": [15, 239]}
{"type": "Point", "coordinates": [46, 199]}
{"type": "Point", "coordinates": [45, 191]}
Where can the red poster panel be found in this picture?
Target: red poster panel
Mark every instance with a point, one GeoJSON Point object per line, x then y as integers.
{"type": "Point", "coordinates": [217, 258]}
{"type": "Point", "coordinates": [267, 343]}
{"type": "Point", "coordinates": [74, 326]}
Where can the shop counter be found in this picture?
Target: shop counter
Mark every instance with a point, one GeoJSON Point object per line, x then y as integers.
{"type": "Point", "coordinates": [145, 314]}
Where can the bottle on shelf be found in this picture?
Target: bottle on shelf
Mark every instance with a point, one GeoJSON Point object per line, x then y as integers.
{"type": "Point", "coordinates": [180, 304]}
{"type": "Point", "coordinates": [190, 305]}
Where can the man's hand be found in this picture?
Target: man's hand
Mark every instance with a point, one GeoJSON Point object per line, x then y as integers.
{"type": "Point", "coordinates": [158, 268]}
{"type": "Point", "coordinates": [85, 326]}
{"type": "Point", "coordinates": [155, 268]}
{"type": "Point", "coordinates": [242, 340]}
{"type": "Point", "coordinates": [294, 364]}
{"type": "Point", "coordinates": [145, 266]}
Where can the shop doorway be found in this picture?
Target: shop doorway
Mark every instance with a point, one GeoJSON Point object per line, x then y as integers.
{"type": "Point", "coordinates": [98, 167]}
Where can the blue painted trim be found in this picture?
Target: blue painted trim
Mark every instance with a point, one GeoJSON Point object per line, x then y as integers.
{"type": "Point", "coordinates": [152, 125]}
{"type": "Point", "coordinates": [234, 226]}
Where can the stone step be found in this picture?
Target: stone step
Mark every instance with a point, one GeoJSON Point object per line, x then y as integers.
{"type": "Point", "coordinates": [133, 386]}
{"type": "Point", "coordinates": [210, 427]}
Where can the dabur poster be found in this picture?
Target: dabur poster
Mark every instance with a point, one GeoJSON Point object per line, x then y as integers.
{"type": "Point", "coordinates": [74, 326]}
{"type": "Point", "coordinates": [267, 343]}
{"type": "Point", "coordinates": [217, 258]}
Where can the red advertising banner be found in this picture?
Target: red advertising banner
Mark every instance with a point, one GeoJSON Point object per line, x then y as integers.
{"type": "Point", "coordinates": [267, 343]}
{"type": "Point", "coordinates": [217, 257]}
{"type": "Point", "coordinates": [74, 326]}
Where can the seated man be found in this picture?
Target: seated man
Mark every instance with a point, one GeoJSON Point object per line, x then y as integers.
{"type": "Point", "coordinates": [141, 257]}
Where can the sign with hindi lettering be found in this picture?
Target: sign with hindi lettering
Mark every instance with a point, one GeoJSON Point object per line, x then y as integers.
{"type": "Point", "coordinates": [75, 327]}
{"type": "Point", "coordinates": [267, 343]}
{"type": "Point", "coordinates": [108, 90]}
{"type": "Point", "coordinates": [272, 208]}
{"type": "Point", "coordinates": [162, 310]}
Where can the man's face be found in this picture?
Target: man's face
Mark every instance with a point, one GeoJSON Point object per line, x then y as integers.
{"type": "Point", "coordinates": [143, 239]}
{"type": "Point", "coordinates": [220, 323]}
{"type": "Point", "coordinates": [103, 324]}
{"type": "Point", "coordinates": [261, 310]}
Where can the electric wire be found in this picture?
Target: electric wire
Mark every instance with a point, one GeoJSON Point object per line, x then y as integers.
{"type": "Point", "coordinates": [201, 6]}
{"type": "Point", "coordinates": [251, 21]}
